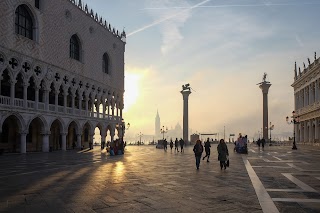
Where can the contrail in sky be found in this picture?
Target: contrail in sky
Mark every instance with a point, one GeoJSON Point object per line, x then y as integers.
{"type": "Point", "coordinates": [233, 5]}
{"type": "Point", "coordinates": [167, 18]}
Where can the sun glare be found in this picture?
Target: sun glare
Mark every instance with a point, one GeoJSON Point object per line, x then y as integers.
{"type": "Point", "coordinates": [131, 90]}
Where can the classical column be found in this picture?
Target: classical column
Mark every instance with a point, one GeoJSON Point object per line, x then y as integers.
{"type": "Point", "coordinates": [310, 94]}
{"type": "Point", "coordinates": [301, 131]}
{"type": "Point", "coordinates": [316, 130]}
{"type": "Point", "coordinates": [264, 86]}
{"type": "Point", "coordinates": [23, 142]}
{"type": "Point", "coordinates": [79, 140]}
{"type": "Point", "coordinates": [64, 141]}
{"type": "Point", "coordinates": [65, 94]}
{"type": "Point", "coordinates": [185, 94]}
{"type": "Point", "coordinates": [36, 97]}
{"type": "Point", "coordinates": [45, 142]}
{"type": "Point", "coordinates": [56, 99]}
{"type": "Point", "coordinates": [104, 108]}
{"type": "Point", "coordinates": [310, 131]}
{"type": "Point", "coordinates": [12, 91]}
{"type": "Point", "coordinates": [87, 107]}
{"type": "Point", "coordinates": [305, 134]}
{"type": "Point", "coordinates": [25, 95]}
{"type": "Point", "coordinates": [46, 99]}
{"type": "Point", "coordinates": [103, 136]}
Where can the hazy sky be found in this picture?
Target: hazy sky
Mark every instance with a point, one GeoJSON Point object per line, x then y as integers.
{"type": "Point", "coordinates": [222, 48]}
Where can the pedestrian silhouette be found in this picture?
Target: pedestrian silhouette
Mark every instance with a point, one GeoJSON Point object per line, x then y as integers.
{"type": "Point", "coordinates": [207, 149]}
{"type": "Point", "coordinates": [171, 144]}
{"type": "Point", "coordinates": [223, 154]}
{"type": "Point", "coordinates": [176, 145]}
{"type": "Point", "coordinates": [198, 149]}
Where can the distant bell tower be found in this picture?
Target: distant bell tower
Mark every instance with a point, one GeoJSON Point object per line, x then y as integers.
{"type": "Point", "coordinates": [157, 125]}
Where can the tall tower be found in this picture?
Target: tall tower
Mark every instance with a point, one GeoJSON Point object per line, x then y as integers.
{"type": "Point", "coordinates": [157, 125]}
{"type": "Point", "coordinates": [264, 86]}
{"type": "Point", "coordinates": [185, 93]}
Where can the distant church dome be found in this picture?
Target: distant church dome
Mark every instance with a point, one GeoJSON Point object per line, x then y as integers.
{"type": "Point", "coordinates": [178, 127]}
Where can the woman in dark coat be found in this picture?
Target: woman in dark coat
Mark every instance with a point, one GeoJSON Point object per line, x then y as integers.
{"type": "Point", "coordinates": [222, 153]}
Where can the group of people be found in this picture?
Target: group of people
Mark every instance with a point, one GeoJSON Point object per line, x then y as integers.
{"type": "Point", "coordinates": [223, 153]}
{"type": "Point", "coordinates": [116, 147]}
{"type": "Point", "coordinates": [176, 145]}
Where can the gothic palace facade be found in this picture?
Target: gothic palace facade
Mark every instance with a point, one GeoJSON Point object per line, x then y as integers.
{"type": "Point", "coordinates": [62, 75]}
{"type": "Point", "coordinates": [307, 102]}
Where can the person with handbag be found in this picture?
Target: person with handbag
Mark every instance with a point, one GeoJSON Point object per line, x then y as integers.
{"type": "Point", "coordinates": [223, 154]}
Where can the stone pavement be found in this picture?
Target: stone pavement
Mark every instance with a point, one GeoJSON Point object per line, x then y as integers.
{"type": "Point", "coordinates": [147, 179]}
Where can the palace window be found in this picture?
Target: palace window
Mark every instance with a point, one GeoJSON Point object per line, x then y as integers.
{"type": "Point", "coordinates": [105, 63]}
{"type": "Point", "coordinates": [23, 22]}
{"type": "Point", "coordinates": [75, 47]}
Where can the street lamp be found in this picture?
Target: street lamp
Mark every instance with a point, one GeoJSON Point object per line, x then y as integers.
{"type": "Point", "coordinates": [140, 135]}
{"type": "Point", "coordinates": [123, 127]}
{"type": "Point", "coordinates": [295, 120]}
{"type": "Point", "coordinates": [271, 128]}
{"type": "Point", "coordinates": [163, 130]}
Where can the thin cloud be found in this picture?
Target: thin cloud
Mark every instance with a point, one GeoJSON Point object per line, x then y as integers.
{"type": "Point", "coordinates": [167, 18]}
{"type": "Point", "coordinates": [235, 5]}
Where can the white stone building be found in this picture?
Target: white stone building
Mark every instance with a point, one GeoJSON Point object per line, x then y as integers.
{"type": "Point", "coordinates": [307, 102]}
{"type": "Point", "coordinates": [62, 75]}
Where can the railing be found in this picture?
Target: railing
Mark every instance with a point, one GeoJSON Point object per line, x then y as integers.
{"type": "Point", "coordinates": [18, 102]}
{"type": "Point", "coordinates": [31, 105]}
{"type": "Point", "coordinates": [4, 100]}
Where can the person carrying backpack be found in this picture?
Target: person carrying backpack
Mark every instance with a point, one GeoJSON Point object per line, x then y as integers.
{"type": "Point", "coordinates": [198, 149]}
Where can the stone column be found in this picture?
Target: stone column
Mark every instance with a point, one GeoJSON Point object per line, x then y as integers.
{"type": "Point", "coordinates": [25, 95]}
{"type": "Point", "coordinates": [46, 99]}
{"type": "Point", "coordinates": [72, 101]}
{"type": "Point", "coordinates": [45, 142]}
{"type": "Point", "coordinates": [305, 134]}
{"type": "Point", "coordinates": [56, 99]}
{"type": "Point", "coordinates": [112, 135]}
{"type": "Point", "coordinates": [104, 108]}
{"type": "Point", "coordinates": [64, 141]}
{"type": "Point", "coordinates": [65, 94]}
{"type": "Point", "coordinates": [36, 97]}
{"type": "Point", "coordinates": [12, 92]}
{"type": "Point", "coordinates": [264, 86]}
{"type": "Point", "coordinates": [310, 94]}
{"type": "Point", "coordinates": [316, 130]}
{"type": "Point", "coordinates": [23, 142]}
{"type": "Point", "coordinates": [310, 131]}
{"type": "Point", "coordinates": [185, 95]}
{"type": "Point", "coordinates": [87, 107]}
{"type": "Point", "coordinates": [79, 140]}
{"type": "Point", "coordinates": [301, 131]}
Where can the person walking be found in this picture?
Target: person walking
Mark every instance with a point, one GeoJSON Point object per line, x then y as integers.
{"type": "Point", "coordinates": [223, 154]}
{"type": "Point", "coordinates": [176, 146]}
{"type": "Point", "coordinates": [181, 144]}
{"type": "Point", "coordinates": [171, 144]}
{"type": "Point", "coordinates": [207, 149]}
{"type": "Point", "coordinates": [165, 143]}
{"type": "Point", "coordinates": [198, 149]}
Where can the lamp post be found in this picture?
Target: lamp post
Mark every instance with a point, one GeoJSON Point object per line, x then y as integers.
{"type": "Point", "coordinates": [163, 130]}
{"type": "Point", "coordinates": [295, 120]}
{"type": "Point", "coordinates": [140, 135]}
{"type": "Point", "coordinates": [123, 127]}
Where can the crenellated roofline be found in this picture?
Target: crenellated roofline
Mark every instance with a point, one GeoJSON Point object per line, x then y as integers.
{"type": "Point", "coordinates": [101, 21]}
